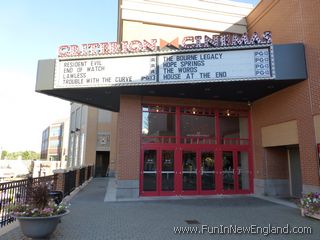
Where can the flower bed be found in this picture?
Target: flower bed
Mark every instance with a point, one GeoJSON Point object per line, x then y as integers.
{"type": "Point", "coordinates": [310, 205]}
{"type": "Point", "coordinates": [26, 210]}
{"type": "Point", "coordinates": [39, 204]}
{"type": "Point", "coordinates": [40, 215]}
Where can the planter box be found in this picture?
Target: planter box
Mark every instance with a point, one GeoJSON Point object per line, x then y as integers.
{"type": "Point", "coordinates": [39, 227]}
{"type": "Point", "coordinates": [314, 215]}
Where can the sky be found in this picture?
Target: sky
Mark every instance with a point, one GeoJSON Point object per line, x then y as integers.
{"type": "Point", "coordinates": [33, 30]}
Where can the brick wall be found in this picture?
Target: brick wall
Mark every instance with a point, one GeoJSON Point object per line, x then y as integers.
{"type": "Point", "coordinates": [290, 21]}
{"type": "Point", "coordinates": [277, 163]}
{"type": "Point", "coordinates": [129, 127]}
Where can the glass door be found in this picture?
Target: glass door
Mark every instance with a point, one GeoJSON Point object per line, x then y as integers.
{"type": "Point", "coordinates": [208, 171]}
{"type": "Point", "coordinates": [198, 174]}
{"type": "Point", "coordinates": [189, 172]}
{"type": "Point", "coordinates": [168, 173]}
{"type": "Point", "coordinates": [228, 170]}
{"type": "Point", "coordinates": [236, 173]}
{"type": "Point", "coordinates": [149, 174]}
{"type": "Point", "coordinates": [158, 175]}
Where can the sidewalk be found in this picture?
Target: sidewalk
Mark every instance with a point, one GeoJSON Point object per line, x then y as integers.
{"type": "Point", "coordinates": [92, 218]}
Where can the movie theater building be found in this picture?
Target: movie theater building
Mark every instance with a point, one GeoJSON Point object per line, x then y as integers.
{"type": "Point", "coordinates": [212, 97]}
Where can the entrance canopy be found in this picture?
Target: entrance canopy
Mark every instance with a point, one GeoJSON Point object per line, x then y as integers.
{"type": "Point", "coordinates": [233, 74]}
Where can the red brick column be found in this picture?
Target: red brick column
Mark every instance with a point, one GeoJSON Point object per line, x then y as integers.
{"type": "Point", "coordinates": [86, 174]}
{"type": "Point", "coordinates": [59, 179]}
{"type": "Point", "coordinates": [77, 178]}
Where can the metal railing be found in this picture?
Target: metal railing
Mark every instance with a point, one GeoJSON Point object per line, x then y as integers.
{"type": "Point", "coordinates": [69, 182]}
{"type": "Point", "coordinates": [15, 192]}
{"type": "Point", "coordinates": [89, 172]}
{"type": "Point", "coordinates": [19, 191]}
{"type": "Point", "coordinates": [82, 176]}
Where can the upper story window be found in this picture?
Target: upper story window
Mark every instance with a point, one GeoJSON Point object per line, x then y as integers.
{"type": "Point", "coordinates": [197, 125]}
{"type": "Point", "coordinates": [158, 123]}
{"type": "Point", "coordinates": [233, 127]}
{"type": "Point", "coordinates": [55, 131]}
{"type": "Point", "coordinates": [54, 144]}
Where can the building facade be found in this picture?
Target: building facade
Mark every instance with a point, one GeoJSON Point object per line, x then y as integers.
{"type": "Point", "coordinates": [54, 146]}
{"type": "Point", "coordinates": [91, 131]}
{"type": "Point", "coordinates": [286, 123]}
{"type": "Point", "coordinates": [203, 108]}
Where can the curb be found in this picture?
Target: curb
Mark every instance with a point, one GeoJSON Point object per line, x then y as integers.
{"type": "Point", "coordinates": [69, 197]}
{"type": "Point", "coordinates": [277, 201]}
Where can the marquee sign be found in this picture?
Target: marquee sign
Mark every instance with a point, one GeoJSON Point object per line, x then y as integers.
{"type": "Point", "coordinates": [153, 45]}
{"type": "Point", "coordinates": [166, 68]}
{"type": "Point", "coordinates": [105, 72]}
{"type": "Point", "coordinates": [215, 66]}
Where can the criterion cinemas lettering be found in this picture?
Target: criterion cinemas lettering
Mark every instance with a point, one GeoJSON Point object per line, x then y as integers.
{"type": "Point", "coordinates": [189, 42]}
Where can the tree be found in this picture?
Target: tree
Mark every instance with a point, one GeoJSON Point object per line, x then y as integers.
{"type": "Point", "coordinates": [26, 155]}
{"type": "Point", "coordinates": [30, 155]}
{"type": "Point", "coordinates": [13, 155]}
{"type": "Point", "coordinates": [34, 155]}
{"type": "Point", "coordinates": [4, 154]}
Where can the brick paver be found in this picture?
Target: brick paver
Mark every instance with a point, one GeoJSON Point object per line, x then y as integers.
{"type": "Point", "coordinates": [91, 218]}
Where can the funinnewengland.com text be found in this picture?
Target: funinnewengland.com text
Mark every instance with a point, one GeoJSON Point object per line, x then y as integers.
{"type": "Point", "coordinates": [235, 229]}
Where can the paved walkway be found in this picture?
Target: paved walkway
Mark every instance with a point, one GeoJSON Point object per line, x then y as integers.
{"type": "Point", "coordinates": [92, 218]}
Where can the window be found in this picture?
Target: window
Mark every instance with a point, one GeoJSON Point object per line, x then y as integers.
{"type": "Point", "coordinates": [55, 131]}
{"type": "Point", "coordinates": [54, 144]}
{"type": "Point", "coordinates": [233, 127]}
{"type": "Point", "coordinates": [197, 125]}
{"type": "Point", "coordinates": [158, 123]}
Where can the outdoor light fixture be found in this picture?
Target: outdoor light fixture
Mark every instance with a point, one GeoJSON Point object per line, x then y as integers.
{"type": "Point", "coordinates": [71, 131]}
{"type": "Point", "coordinates": [77, 129]}
{"type": "Point", "coordinates": [157, 108]}
{"type": "Point", "coordinates": [194, 110]}
{"type": "Point", "coordinates": [228, 113]}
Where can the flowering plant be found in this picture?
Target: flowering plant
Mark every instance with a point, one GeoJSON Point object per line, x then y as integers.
{"type": "Point", "coordinates": [310, 203]}
{"type": "Point", "coordinates": [39, 204]}
{"type": "Point", "coordinates": [26, 210]}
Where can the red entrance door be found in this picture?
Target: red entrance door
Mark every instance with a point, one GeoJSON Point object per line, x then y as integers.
{"type": "Point", "coordinates": [159, 172]}
{"type": "Point", "coordinates": [199, 172]}
{"type": "Point", "coordinates": [171, 171]}
{"type": "Point", "coordinates": [236, 173]}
